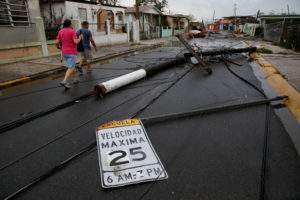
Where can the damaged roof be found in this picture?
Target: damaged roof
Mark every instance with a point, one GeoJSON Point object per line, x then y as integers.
{"type": "Point", "coordinates": [147, 9]}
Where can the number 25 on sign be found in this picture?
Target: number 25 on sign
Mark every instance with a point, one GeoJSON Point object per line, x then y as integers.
{"type": "Point", "coordinates": [120, 157]}
{"type": "Point", "coordinates": [126, 155]}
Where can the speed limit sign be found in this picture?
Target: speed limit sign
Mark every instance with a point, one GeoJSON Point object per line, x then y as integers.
{"type": "Point", "coordinates": [126, 155]}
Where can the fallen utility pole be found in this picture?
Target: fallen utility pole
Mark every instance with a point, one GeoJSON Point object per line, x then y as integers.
{"type": "Point", "coordinates": [210, 110]}
{"type": "Point", "coordinates": [194, 53]}
{"type": "Point", "coordinates": [224, 51]}
{"type": "Point", "coordinates": [108, 86]}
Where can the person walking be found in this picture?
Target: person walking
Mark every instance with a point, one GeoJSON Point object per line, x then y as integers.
{"type": "Point", "coordinates": [68, 40]}
{"type": "Point", "coordinates": [84, 47]}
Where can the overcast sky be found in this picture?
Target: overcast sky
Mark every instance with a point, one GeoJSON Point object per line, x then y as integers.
{"type": "Point", "coordinates": [205, 8]}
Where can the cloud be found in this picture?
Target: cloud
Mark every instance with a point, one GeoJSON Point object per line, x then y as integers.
{"type": "Point", "coordinates": [205, 8]}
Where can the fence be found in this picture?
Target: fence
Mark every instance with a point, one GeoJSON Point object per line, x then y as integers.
{"type": "Point", "coordinates": [250, 29]}
{"type": "Point", "coordinates": [157, 32]}
{"type": "Point", "coordinates": [291, 37]}
{"type": "Point", "coordinates": [179, 31]}
{"type": "Point", "coordinates": [273, 31]}
{"type": "Point", "coordinates": [102, 27]}
{"type": "Point", "coordinates": [108, 34]}
{"type": "Point", "coordinates": [166, 32]}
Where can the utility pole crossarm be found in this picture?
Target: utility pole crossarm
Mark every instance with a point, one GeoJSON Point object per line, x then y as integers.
{"type": "Point", "coordinates": [198, 58]}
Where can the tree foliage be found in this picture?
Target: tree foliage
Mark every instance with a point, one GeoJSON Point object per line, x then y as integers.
{"type": "Point", "coordinates": [109, 2]}
{"type": "Point", "coordinates": [159, 4]}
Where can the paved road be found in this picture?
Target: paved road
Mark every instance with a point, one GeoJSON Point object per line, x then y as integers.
{"type": "Point", "coordinates": [214, 156]}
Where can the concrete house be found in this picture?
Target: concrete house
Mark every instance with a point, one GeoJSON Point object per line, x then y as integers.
{"type": "Point", "coordinates": [155, 24]}
{"type": "Point", "coordinates": [150, 20]}
{"type": "Point", "coordinates": [180, 23]}
{"type": "Point", "coordinates": [107, 22]}
{"type": "Point", "coordinates": [21, 29]}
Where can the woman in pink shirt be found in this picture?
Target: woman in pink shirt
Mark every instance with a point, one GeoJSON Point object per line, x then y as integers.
{"type": "Point", "coordinates": [68, 39]}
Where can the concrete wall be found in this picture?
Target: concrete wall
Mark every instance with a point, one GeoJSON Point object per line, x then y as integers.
{"type": "Point", "coordinates": [103, 40]}
{"type": "Point", "coordinates": [168, 32]}
{"type": "Point", "coordinates": [58, 11]}
{"type": "Point", "coordinates": [15, 35]}
{"type": "Point", "coordinates": [32, 50]}
{"type": "Point", "coordinates": [11, 36]}
{"type": "Point", "coordinates": [69, 9]}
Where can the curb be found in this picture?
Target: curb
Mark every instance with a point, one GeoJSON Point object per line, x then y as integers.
{"type": "Point", "coordinates": [60, 69]}
{"type": "Point", "coordinates": [280, 85]}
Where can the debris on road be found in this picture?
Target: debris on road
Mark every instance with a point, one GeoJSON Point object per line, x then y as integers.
{"type": "Point", "coordinates": [218, 136]}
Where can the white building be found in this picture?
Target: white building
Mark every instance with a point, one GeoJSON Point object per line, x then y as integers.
{"type": "Point", "coordinates": [95, 13]}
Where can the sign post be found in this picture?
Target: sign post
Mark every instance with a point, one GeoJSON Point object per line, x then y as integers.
{"type": "Point", "coordinates": [126, 155]}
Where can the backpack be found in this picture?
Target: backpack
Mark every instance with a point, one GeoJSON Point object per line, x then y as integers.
{"type": "Point", "coordinates": [80, 45]}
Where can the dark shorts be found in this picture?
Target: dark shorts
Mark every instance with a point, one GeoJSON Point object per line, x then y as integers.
{"type": "Point", "coordinates": [86, 54]}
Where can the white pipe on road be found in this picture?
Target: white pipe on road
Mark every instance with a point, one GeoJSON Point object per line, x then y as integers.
{"type": "Point", "coordinates": [108, 86]}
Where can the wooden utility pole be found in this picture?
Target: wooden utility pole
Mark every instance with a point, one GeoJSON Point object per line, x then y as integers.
{"type": "Point", "coordinates": [234, 11]}
{"type": "Point", "coordinates": [137, 9]}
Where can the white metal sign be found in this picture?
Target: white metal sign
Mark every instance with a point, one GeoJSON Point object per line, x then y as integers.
{"type": "Point", "coordinates": [126, 155]}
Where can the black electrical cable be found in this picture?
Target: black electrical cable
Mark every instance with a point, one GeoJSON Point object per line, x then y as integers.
{"type": "Point", "coordinates": [264, 163]}
{"type": "Point", "coordinates": [59, 137]}
{"type": "Point", "coordinates": [54, 87]}
{"type": "Point", "coordinates": [16, 123]}
{"type": "Point", "coordinates": [209, 110]}
{"type": "Point", "coordinates": [80, 82]}
{"type": "Point", "coordinates": [72, 130]}
{"type": "Point", "coordinates": [19, 122]}
{"type": "Point", "coordinates": [262, 195]}
{"type": "Point", "coordinates": [64, 163]}
{"type": "Point", "coordinates": [243, 79]}
{"type": "Point", "coordinates": [173, 159]}
{"type": "Point", "coordinates": [164, 91]}
{"type": "Point", "coordinates": [84, 150]}
{"type": "Point", "coordinates": [116, 68]}
{"type": "Point", "coordinates": [92, 145]}
{"type": "Point", "coordinates": [232, 62]}
{"type": "Point", "coordinates": [55, 169]}
{"type": "Point", "coordinates": [145, 85]}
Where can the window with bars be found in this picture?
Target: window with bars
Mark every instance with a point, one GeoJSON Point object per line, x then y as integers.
{"type": "Point", "coordinates": [14, 13]}
{"type": "Point", "coordinates": [82, 14]}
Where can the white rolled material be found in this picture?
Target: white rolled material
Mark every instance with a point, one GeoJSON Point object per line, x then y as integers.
{"type": "Point", "coordinates": [123, 80]}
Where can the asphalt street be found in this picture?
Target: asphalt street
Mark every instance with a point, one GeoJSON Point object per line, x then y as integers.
{"type": "Point", "coordinates": [212, 156]}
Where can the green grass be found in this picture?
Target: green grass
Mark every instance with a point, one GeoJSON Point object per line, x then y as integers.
{"type": "Point", "coordinates": [264, 50]}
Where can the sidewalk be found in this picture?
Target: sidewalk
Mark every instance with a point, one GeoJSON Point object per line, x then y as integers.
{"type": "Point", "coordinates": [24, 71]}
{"type": "Point", "coordinates": [282, 71]}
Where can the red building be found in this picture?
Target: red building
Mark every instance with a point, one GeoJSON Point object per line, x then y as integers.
{"type": "Point", "coordinates": [214, 27]}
